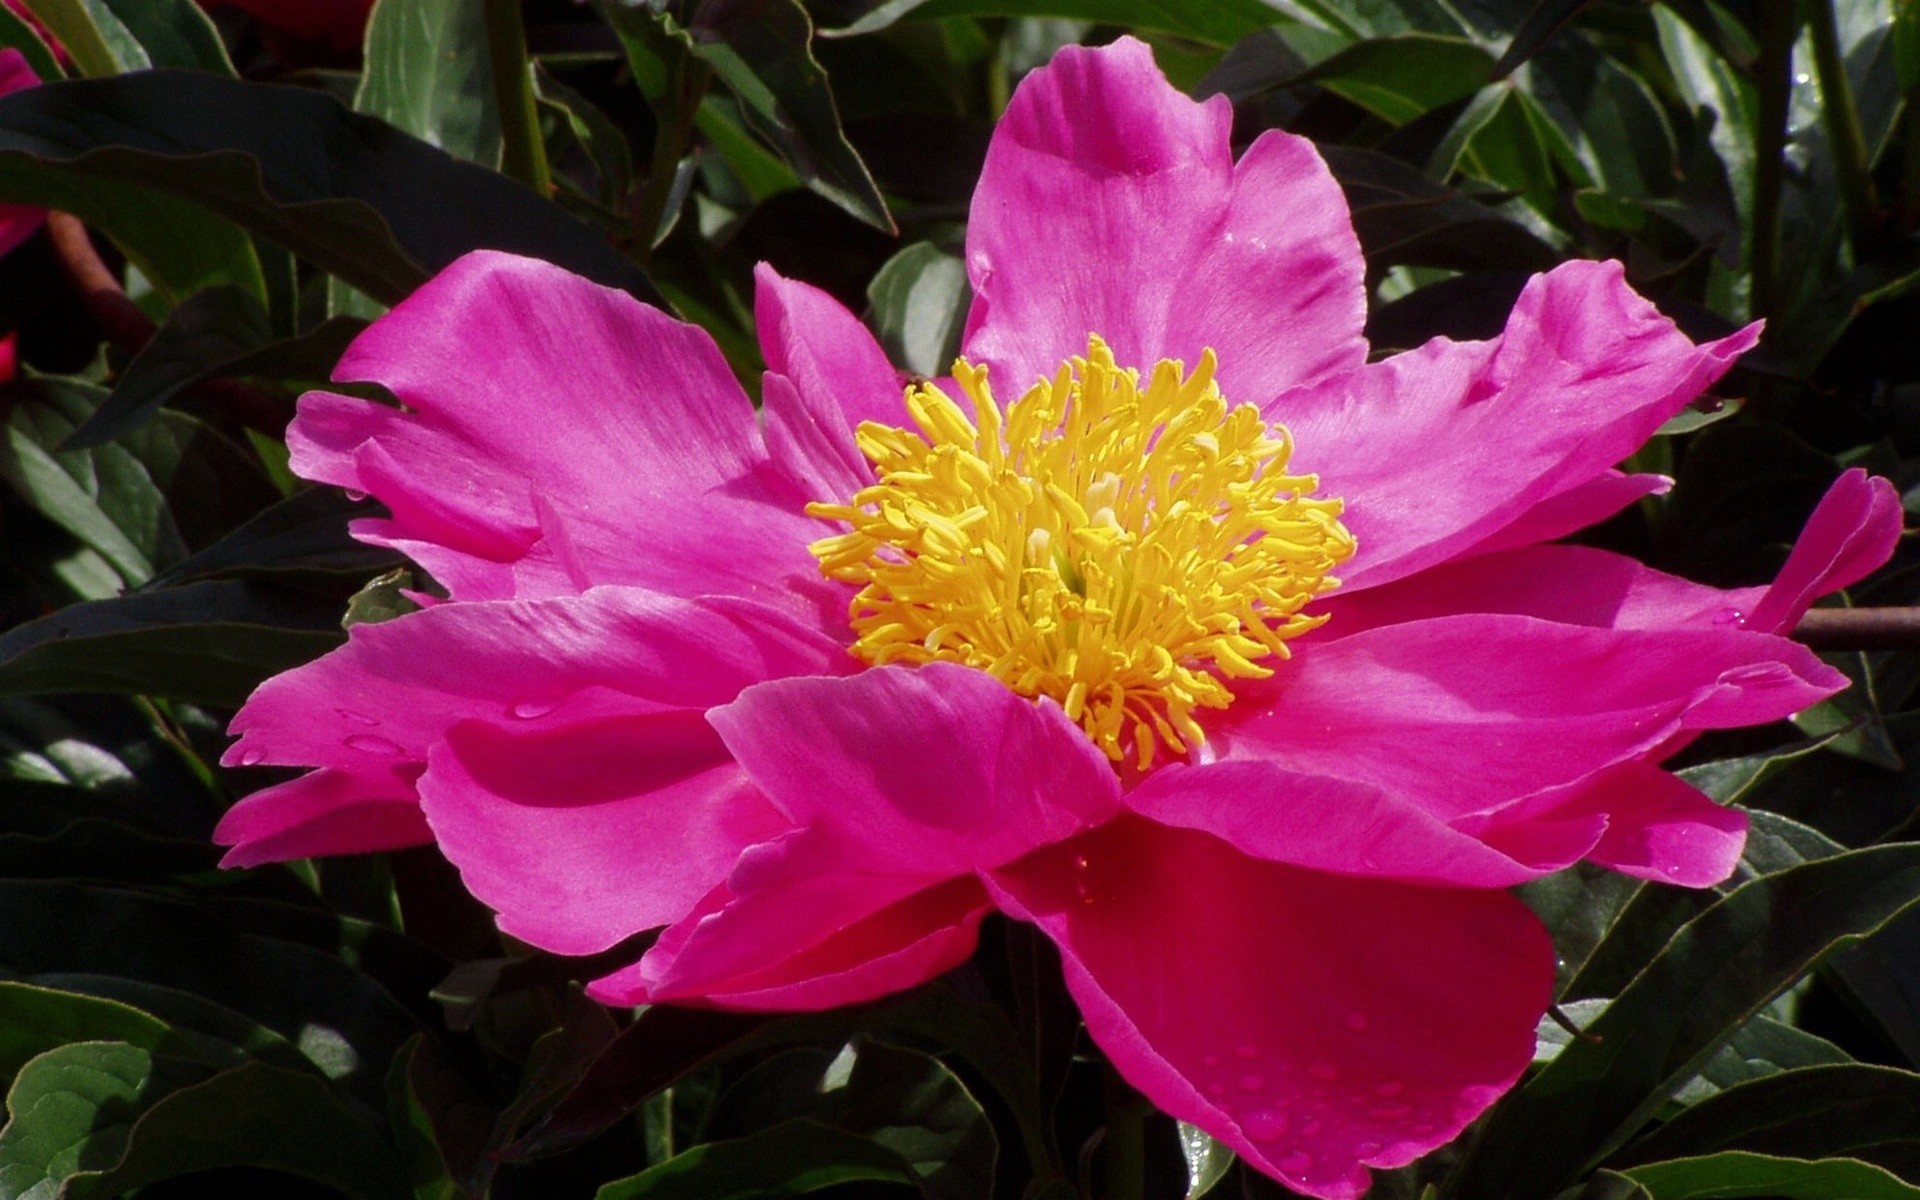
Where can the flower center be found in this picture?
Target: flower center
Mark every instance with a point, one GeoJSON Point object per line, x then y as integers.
{"type": "Point", "coordinates": [1119, 548]}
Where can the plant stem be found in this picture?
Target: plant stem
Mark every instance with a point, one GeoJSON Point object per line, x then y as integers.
{"type": "Point", "coordinates": [1123, 1149]}
{"type": "Point", "coordinates": [687, 80]}
{"type": "Point", "coordinates": [1842, 118]}
{"type": "Point", "coordinates": [1892, 628]}
{"type": "Point", "coordinates": [523, 155]}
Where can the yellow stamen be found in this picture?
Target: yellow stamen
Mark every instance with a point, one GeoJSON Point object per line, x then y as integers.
{"type": "Point", "coordinates": [1122, 549]}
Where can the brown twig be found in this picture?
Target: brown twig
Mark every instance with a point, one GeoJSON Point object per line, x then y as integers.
{"type": "Point", "coordinates": [1891, 628]}
{"type": "Point", "coordinates": [130, 329]}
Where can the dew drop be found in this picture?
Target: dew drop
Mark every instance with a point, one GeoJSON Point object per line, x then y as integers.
{"type": "Point", "coordinates": [252, 757]}
{"type": "Point", "coordinates": [1324, 1072]}
{"type": "Point", "coordinates": [1732, 617]}
{"type": "Point", "coordinates": [1245, 1051]}
{"type": "Point", "coordinates": [529, 708]}
{"type": "Point", "coordinates": [1251, 1082]}
{"type": "Point", "coordinates": [1803, 79]}
{"type": "Point", "coordinates": [1389, 1112]}
{"type": "Point", "coordinates": [1297, 1163]}
{"type": "Point", "coordinates": [372, 743]}
{"type": "Point", "coordinates": [355, 494]}
{"type": "Point", "coordinates": [1357, 1021]}
{"type": "Point", "coordinates": [1264, 1124]}
{"type": "Point", "coordinates": [1392, 1087]}
{"type": "Point", "coordinates": [358, 718]}
{"type": "Point", "coordinates": [1765, 674]}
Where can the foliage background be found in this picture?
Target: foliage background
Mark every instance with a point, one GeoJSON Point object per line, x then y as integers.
{"type": "Point", "coordinates": [356, 1027]}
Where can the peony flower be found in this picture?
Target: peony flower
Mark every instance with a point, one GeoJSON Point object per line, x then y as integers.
{"type": "Point", "coordinates": [1237, 664]}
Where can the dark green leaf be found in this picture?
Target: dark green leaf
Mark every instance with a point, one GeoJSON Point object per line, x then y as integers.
{"type": "Point", "coordinates": [1734, 1174]}
{"type": "Point", "coordinates": [252, 1116]}
{"type": "Point", "coordinates": [791, 1159]}
{"type": "Point", "coordinates": [305, 533]}
{"type": "Point", "coordinates": [207, 330]}
{"type": "Point", "coordinates": [1813, 1112]}
{"type": "Point", "coordinates": [1715, 974]}
{"type": "Point", "coordinates": [34, 1020]}
{"type": "Point", "coordinates": [1402, 217]}
{"type": "Point", "coordinates": [207, 643]}
{"type": "Point", "coordinates": [1221, 22]}
{"type": "Point", "coordinates": [1405, 76]}
{"type": "Point", "coordinates": [1536, 31]}
{"type": "Point", "coordinates": [356, 197]}
{"type": "Point", "coordinates": [428, 72]}
{"type": "Point", "coordinates": [16, 34]}
{"type": "Point", "coordinates": [173, 33]}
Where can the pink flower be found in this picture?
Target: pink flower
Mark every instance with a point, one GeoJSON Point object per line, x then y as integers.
{"type": "Point", "coordinates": [1269, 822]}
{"type": "Point", "coordinates": [18, 222]}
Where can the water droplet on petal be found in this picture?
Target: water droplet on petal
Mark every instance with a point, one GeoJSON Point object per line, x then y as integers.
{"type": "Point", "coordinates": [1392, 1087]}
{"type": "Point", "coordinates": [1731, 617]}
{"type": "Point", "coordinates": [372, 743]}
{"type": "Point", "coordinates": [1297, 1163]}
{"type": "Point", "coordinates": [355, 494]}
{"type": "Point", "coordinates": [252, 757]}
{"type": "Point", "coordinates": [1356, 1021]}
{"type": "Point", "coordinates": [1264, 1124]}
{"type": "Point", "coordinates": [1245, 1051]}
{"type": "Point", "coordinates": [529, 708]}
{"type": "Point", "coordinates": [358, 718]}
{"type": "Point", "coordinates": [1763, 674]}
{"type": "Point", "coordinates": [1251, 1082]}
{"type": "Point", "coordinates": [1324, 1072]}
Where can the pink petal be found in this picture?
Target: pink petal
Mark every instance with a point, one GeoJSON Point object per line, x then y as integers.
{"type": "Point", "coordinates": [1463, 713]}
{"type": "Point", "coordinates": [330, 811]}
{"type": "Point", "coordinates": [1573, 585]}
{"type": "Point", "coordinates": [1570, 511]}
{"type": "Point", "coordinates": [585, 833]}
{"type": "Point", "coordinates": [392, 692]}
{"type": "Point", "coordinates": [580, 685]}
{"type": "Point", "coordinates": [900, 781]}
{"type": "Point", "coordinates": [828, 355]}
{"type": "Point", "coordinates": [1440, 448]}
{"type": "Point", "coordinates": [1851, 533]}
{"type": "Point", "coordinates": [902, 944]}
{"type": "Point", "coordinates": [1267, 811]}
{"type": "Point", "coordinates": [527, 386]}
{"type": "Point", "coordinates": [1663, 828]}
{"type": "Point", "coordinates": [1317, 1024]}
{"type": "Point", "coordinates": [1111, 204]}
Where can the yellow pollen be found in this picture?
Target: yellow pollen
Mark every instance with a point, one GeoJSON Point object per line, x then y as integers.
{"type": "Point", "coordinates": [1124, 550]}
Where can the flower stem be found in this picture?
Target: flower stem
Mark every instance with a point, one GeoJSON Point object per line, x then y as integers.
{"type": "Point", "coordinates": [1842, 118]}
{"type": "Point", "coordinates": [1890, 628]}
{"type": "Point", "coordinates": [523, 155]}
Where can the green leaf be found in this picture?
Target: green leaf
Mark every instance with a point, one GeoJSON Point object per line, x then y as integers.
{"type": "Point", "coordinates": [307, 533]}
{"type": "Point", "coordinates": [428, 72]}
{"type": "Point", "coordinates": [1740, 1174]}
{"type": "Point", "coordinates": [1219, 22]}
{"type": "Point", "coordinates": [253, 1116]}
{"type": "Point", "coordinates": [16, 34]}
{"type": "Point", "coordinates": [1826, 1111]}
{"type": "Point", "coordinates": [919, 300]}
{"type": "Point", "coordinates": [1718, 970]}
{"type": "Point", "coordinates": [71, 1110]}
{"type": "Point", "coordinates": [207, 643]}
{"type": "Point", "coordinates": [1405, 76]}
{"type": "Point", "coordinates": [34, 1020]}
{"type": "Point", "coordinates": [1404, 218]}
{"type": "Point", "coordinates": [793, 1158]}
{"type": "Point", "coordinates": [1208, 1161]}
{"type": "Point", "coordinates": [173, 33]}
{"type": "Point", "coordinates": [906, 1101]}
{"type": "Point", "coordinates": [1606, 118]}
{"type": "Point", "coordinates": [93, 36]}
{"type": "Point", "coordinates": [351, 194]}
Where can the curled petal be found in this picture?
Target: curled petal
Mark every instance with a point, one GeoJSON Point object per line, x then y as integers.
{"type": "Point", "coordinates": [1444, 446]}
{"type": "Point", "coordinates": [1138, 225]}
{"type": "Point", "coordinates": [1852, 531]}
{"type": "Point", "coordinates": [1316, 1023]}
{"type": "Point", "coordinates": [354, 810]}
